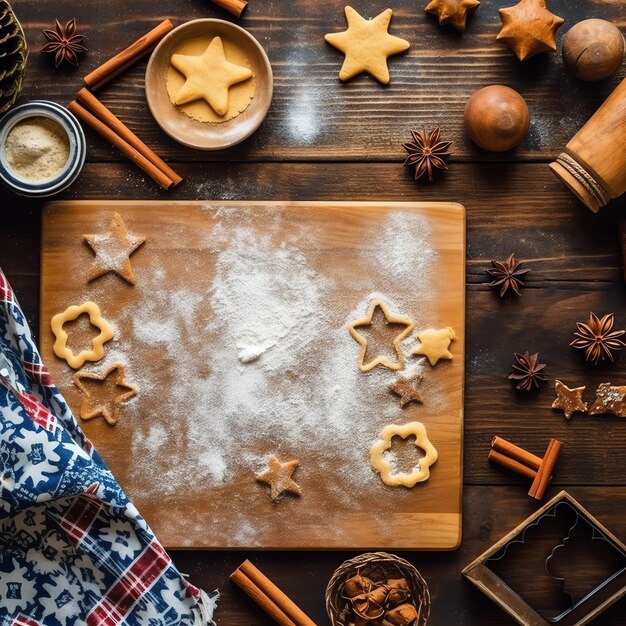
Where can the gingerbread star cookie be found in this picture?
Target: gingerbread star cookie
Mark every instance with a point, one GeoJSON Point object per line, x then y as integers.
{"type": "Point", "coordinates": [103, 395]}
{"type": "Point", "coordinates": [435, 344]}
{"type": "Point", "coordinates": [367, 45]}
{"type": "Point", "coordinates": [609, 399]}
{"type": "Point", "coordinates": [406, 388]}
{"type": "Point", "coordinates": [376, 305]}
{"type": "Point", "coordinates": [208, 76]}
{"type": "Point", "coordinates": [113, 249]}
{"type": "Point", "coordinates": [453, 12]}
{"type": "Point", "coordinates": [569, 400]}
{"type": "Point", "coordinates": [278, 477]}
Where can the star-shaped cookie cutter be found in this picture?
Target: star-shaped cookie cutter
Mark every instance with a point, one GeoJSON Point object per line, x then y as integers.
{"type": "Point", "coordinates": [397, 342]}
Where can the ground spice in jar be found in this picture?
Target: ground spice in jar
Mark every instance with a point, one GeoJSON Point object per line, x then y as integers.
{"type": "Point", "coordinates": [37, 149]}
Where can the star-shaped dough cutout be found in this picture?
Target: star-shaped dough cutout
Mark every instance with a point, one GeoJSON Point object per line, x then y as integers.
{"type": "Point", "coordinates": [113, 249]}
{"type": "Point", "coordinates": [367, 45]}
{"type": "Point", "coordinates": [528, 28]}
{"type": "Point", "coordinates": [397, 342]}
{"type": "Point", "coordinates": [278, 477]}
{"type": "Point", "coordinates": [103, 394]}
{"type": "Point", "coordinates": [208, 76]}
{"type": "Point", "coordinates": [406, 388]}
{"type": "Point", "coordinates": [453, 12]}
{"type": "Point", "coordinates": [435, 344]}
{"type": "Point", "coordinates": [569, 400]}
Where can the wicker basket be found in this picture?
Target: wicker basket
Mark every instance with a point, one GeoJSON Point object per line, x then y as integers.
{"type": "Point", "coordinates": [379, 566]}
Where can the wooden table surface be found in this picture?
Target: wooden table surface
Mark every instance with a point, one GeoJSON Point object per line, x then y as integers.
{"type": "Point", "coordinates": [327, 141]}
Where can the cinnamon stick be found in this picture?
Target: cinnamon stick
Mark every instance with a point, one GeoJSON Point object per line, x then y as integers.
{"type": "Point", "coordinates": [236, 7]}
{"type": "Point", "coordinates": [274, 595]}
{"type": "Point", "coordinates": [516, 453]}
{"type": "Point", "coordinates": [123, 146]}
{"type": "Point", "coordinates": [244, 583]}
{"type": "Point", "coordinates": [127, 57]}
{"type": "Point", "coordinates": [544, 474]}
{"type": "Point", "coordinates": [512, 464]}
{"type": "Point", "coordinates": [105, 115]}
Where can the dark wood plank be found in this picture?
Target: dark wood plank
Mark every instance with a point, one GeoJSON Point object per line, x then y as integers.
{"type": "Point", "coordinates": [313, 116]}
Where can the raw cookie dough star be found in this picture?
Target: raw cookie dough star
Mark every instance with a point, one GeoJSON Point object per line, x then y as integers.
{"type": "Point", "coordinates": [434, 344]}
{"type": "Point", "coordinates": [208, 76]}
{"type": "Point", "coordinates": [397, 342]}
{"type": "Point", "coordinates": [113, 250]}
{"type": "Point", "coordinates": [367, 45]}
{"type": "Point", "coordinates": [453, 12]}
{"type": "Point", "coordinates": [528, 28]}
{"type": "Point", "coordinates": [278, 477]}
{"type": "Point", "coordinates": [107, 393]}
{"type": "Point", "coordinates": [569, 400]}
{"type": "Point", "coordinates": [406, 388]}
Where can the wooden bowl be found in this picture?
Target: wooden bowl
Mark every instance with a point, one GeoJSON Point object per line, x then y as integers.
{"type": "Point", "coordinates": [208, 135]}
{"type": "Point", "coordinates": [377, 566]}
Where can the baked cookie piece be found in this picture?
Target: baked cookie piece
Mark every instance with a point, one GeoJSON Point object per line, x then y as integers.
{"type": "Point", "coordinates": [569, 400]}
{"type": "Point", "coordinates": [609, 399]}
{"type": "Point", "coordinates": [421, 471]}
{"type": "Point", "coordinates": [434, 344]}
{"type": "Point", "coordinates": [113, 249]}
{"type": "Point", "coordinates": [453, 12]}
{"type": "Point", "coordinates": [103, 394]}
{"type": "Point", "coordinates": [278, 477]}
{"type": "Point", "coordinates": [406, 389]}
{"type": "Point", "coordinates": [97, 344]}
{"type": "Point", "coordinates": [367, 45]}
{"type": "Point", "coordinates": [208, 77]}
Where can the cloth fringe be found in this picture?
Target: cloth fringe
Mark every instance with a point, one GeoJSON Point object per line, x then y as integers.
{"type": "Point", "coordinates": [205, 608]}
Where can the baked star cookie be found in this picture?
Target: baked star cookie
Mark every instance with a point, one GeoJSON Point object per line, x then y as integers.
{"type": "Point", "coordinates": [367, 45]}
{"type": "Point", "coordinates": [278, 477]}
{"type": "Point", "coordinates": [208, 76]}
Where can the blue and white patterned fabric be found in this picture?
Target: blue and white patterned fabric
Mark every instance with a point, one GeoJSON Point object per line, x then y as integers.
{"type": "Point", "coordinates": [73, 549]}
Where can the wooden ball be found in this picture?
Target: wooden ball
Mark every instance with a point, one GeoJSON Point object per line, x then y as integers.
{"type": "Point", "coordinates": [593, 49]}
{"type": "Point", "coordinates": [497, 118]}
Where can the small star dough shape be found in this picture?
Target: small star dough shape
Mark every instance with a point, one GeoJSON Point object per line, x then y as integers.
{"type": "Point", "coordinates": [406, 388]}
{"type": "Point", "coordinates": [609, 399]}
{"type": "Point", "coordinates": [97, 344]}
{"type": "Point", "coordinates": [397, 342]}
{"type": "Point", "coordinates": [434, 344]}
{"type": "Point", "coordinates": [453, 12]}
{"type": "Point", "coordinates": [569, 400]}
{"type": "Point", "coordinates": [278, 477]}
{"type": "Point", "coordinates": [379, 463]}
{"type": "Point", "coordinates": [94, 404]}
{"type": "Point", "coordinates": [208, 76]}
{"type": "Point", "coordinates": [367, 45]}
{"type": "Point", "coordinates": [113, 249]}
{"type": "Point", "coordinates": [528, 28]}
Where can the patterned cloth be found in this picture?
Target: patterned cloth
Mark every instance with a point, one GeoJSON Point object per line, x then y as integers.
{"type": "Point", "coordinates": [73, 549]}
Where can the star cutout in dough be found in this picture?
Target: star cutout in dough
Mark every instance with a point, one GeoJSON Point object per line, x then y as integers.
{"type": "Point", "coordinates": [113, 250]}
{"type": "Point", "coordinates": [397, 342]}
{"type": "Point", "coordinates": [569, 400]}
{"type": "Point", "coordinates": [278, 477]}
{"type": "Point", "coordinates": [528, 28]}
{"type": "Point", "coordinates": [367, 45]}
{"type": "Point", "coordinates": [208, 76]}
{"type": "Point", "coordinates": [103, 394]}
{"type": "Point", "coordinates": [453, 12]}
{"type": "Point", "coordinates": [406, 388]}
{"type": "Point", "coordinates": [434, 344]}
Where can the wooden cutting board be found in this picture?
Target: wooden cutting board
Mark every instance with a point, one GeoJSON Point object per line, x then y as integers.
{"type": "Point", "coordinates": [236, 335]}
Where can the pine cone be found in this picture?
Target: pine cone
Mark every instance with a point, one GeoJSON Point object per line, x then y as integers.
{"type": "Point", "coordinates": [13, 55]}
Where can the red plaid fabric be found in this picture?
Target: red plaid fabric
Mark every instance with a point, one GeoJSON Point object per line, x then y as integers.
{"type": "Point", "coordinates": [130, 586]}
{"type": "Point", "coordinates": [38, 373]}
{"type": "Point", "coordinates": [37, 411]}
{"type": "Point", "coordinates": [6, 293]}
{"type": "Point", "coordinates": [22, 620]}
{"type": "Point", "coordinates": [81, 515]}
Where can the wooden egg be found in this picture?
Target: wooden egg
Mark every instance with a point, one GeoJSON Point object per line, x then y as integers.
{"type": "Point", "coordinates": [593, 49]}
{"type": "Point", "coordinates": [497, 118]}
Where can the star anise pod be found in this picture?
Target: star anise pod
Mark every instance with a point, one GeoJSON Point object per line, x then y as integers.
{"type": "Point", "coordinates": [597, 338]}
{"type": "Point", "coordinates": [64, 43]}
{"type": "Point", "coordinates": [427, 152]}
{"type": "Point", "coordinates": [507, 275]}
{"type": "Point", "coordinates": [528, 371]}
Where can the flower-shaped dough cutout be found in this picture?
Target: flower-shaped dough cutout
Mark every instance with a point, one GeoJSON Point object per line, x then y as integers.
{"type": "Point", "coordinates": [379, 463]}
{"type": "Point", "coordinates": [97, 345]}
{"type": "Point", "coordinates": [397, 342]}
{"type": "Point", "coordinates": [97, 403]}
